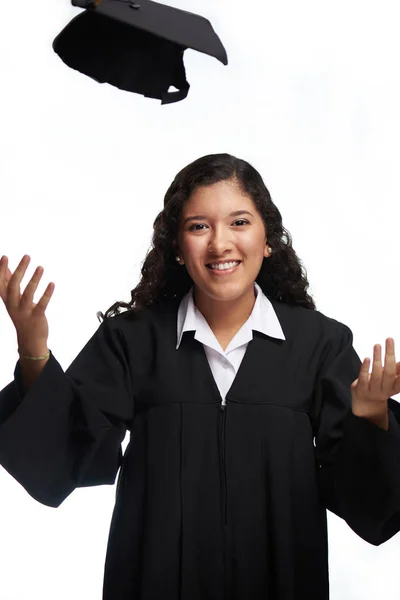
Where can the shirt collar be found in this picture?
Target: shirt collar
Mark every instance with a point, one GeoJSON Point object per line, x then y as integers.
{"type": "Point", "coordinates": [263, 317]}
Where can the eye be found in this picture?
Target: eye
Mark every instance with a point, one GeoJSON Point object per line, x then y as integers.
{"type": "Point", "coordinates": [191, 228]}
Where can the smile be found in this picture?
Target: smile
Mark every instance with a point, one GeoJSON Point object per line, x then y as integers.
{"type": "Point", "coordinates": [224, 268]}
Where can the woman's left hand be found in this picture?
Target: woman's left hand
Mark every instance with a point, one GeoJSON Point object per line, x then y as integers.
{"type": "Point", "coordinates": [371, 391]}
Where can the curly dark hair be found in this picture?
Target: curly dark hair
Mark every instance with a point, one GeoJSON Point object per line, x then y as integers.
{"type": "Point", "coordinates": [281, 276]}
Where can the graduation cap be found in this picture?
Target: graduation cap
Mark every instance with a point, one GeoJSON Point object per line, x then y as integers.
{"type": "Point", "coordinates": [136, 45]}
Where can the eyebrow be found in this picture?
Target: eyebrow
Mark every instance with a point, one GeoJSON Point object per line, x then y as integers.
{"type": "Point", "coordinates": [236, 213]}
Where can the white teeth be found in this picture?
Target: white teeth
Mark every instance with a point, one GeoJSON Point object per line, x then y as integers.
{"type": "Point", "coordinates": [224, 266]}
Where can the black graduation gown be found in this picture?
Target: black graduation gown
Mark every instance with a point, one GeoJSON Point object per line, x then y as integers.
{"type": "Point", "coordinates": [211, 504]}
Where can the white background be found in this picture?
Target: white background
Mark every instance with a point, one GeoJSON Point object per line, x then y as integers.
{"type": "Point", "coordinates": [311, 98]}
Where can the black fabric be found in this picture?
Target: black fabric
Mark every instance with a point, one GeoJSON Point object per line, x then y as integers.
{"type": "Point", "coordinates": [173, 24]}
{"type": "Point", "coordinates": [211, 504]}
{"type": "Point", "coordinates": [135, 61]}
{"type": "Point", "coordinates": [137, 50]}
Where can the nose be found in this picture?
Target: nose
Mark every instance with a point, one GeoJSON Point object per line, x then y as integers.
{"type": "Point", "coordinates": [220, 241]}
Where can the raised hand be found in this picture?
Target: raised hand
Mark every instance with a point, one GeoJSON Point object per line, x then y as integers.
{"type": "Point", "coordinates": [28, 318]}
{"type": "Point", "coordinates": [371, 391]}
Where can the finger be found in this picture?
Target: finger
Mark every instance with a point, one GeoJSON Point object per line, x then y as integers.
{"type": "Point", "coordinates": [375, 383]}
{"type": "Point", "coordinates": [5, 273]}
{"type": "Point", "coordinates": [363, 378]}
{"type": "Point", "coordinates": [27, 296]}
{"type": "Point", "coordinates": [4, 270]}
{"type": "Point", "coordinates": [44, 300]}
{"type": "Point", "coordinates": [13, 288]}
{"type": "Point", "coordinates": [4, 284]}
{"type": "Point", "coordinates": [396, 386]}
{"type": "Point", "coordinates": [3, 276]}
{"type": "Point", "coordinates": [389, 372]}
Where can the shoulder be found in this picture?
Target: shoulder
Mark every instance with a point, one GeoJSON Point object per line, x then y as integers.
{"type": "Point", "coordinates": [144, 333]}
{"type": "Point", "coordinates": [299, 320]}
{"type": "Point", "coordinates": [160, 317]}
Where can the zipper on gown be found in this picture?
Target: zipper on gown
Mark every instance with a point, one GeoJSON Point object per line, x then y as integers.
{"type": "Point", "coordinates": [224, 496]}
{"type": "Point", "coordinates": [224, 486]}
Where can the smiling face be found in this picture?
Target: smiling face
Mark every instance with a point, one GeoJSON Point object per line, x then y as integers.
{"type": "Point", "coordinates": [220, 224]}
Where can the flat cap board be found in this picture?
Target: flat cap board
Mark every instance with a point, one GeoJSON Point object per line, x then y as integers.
{"type": "Point", "coordinates": [136, 47]}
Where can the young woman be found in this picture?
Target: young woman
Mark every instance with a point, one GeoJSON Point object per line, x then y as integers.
{"type": "Point", "coordinates": [249, 411]}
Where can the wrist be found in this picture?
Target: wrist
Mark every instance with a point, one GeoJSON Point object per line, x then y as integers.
{"type": "Point", "coordinates": [26, 353]}
{"type": "Point", "coordinates": [381, 418]}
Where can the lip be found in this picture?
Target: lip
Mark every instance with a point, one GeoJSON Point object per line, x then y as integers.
{"type": "Point", "coordinates": [222, 272]}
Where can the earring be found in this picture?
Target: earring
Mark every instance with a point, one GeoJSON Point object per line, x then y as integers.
{"type": "Point", "coordinates": [177, 258]}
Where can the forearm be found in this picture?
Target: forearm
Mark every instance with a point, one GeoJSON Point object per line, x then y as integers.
{"type": "Point", "coordinates": [31, 369]}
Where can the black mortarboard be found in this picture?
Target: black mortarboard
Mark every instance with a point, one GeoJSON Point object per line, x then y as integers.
{"type": "Point", "coordinates": [136, 45]}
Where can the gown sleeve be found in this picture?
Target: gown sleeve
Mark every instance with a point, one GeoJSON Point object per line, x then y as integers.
{"type": "Point", "coordinates": [66, 430]}
{"type": "Point", "coordinates": [358, 462]}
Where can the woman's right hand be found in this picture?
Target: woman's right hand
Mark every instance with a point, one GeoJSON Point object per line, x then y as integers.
{"type": "Point", "coordinates": [29, 319]}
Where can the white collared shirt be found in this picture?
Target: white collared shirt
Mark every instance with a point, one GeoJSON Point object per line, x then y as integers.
{"type": "Point", "coordinates": [224, 364]}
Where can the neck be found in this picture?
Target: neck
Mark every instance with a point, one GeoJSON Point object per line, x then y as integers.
{"type": "Point", "coordinates": [225, 316]}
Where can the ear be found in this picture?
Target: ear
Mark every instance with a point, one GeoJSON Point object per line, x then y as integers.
{"type": "Point", "coordinates": [177, 252]}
